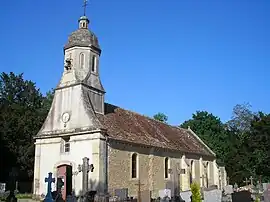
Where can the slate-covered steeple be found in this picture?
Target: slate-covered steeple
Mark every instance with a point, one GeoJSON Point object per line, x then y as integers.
{"type": "Point", "coordinates": [82, 54]}
{"type": "Point", "coordinates": [79, 96]}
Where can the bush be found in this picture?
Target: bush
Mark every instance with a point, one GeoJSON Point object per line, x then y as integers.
{"type": "Point", "coordinates": [24, 196]}
{"type": "Point", "coordinates": [4, 195]}
{"type": "Point", "coordinates": [196, 192]}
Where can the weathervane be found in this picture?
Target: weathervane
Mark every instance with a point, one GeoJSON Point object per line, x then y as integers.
{"type": "Point", "coordinates": [84, 5]}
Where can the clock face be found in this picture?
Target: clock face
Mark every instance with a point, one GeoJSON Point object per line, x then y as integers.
{"type": "Point", "coordinates": [65, 117]}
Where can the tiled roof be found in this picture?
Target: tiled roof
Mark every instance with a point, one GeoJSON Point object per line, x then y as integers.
{"type": "Point", "coordinates": [128, 126]}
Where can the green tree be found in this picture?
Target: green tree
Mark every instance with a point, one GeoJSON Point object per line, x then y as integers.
{"type": "Point", "coordinates": [22, 113]}
{"type": "Point", "coordinates": [211, 130]}
{"type": "Point", "coordinates": [241, 119]}
{"type": "Point", "coordinates": [258, 146]}
{"type": "Point", "coordinates": [161, 117]}
{"type": "Point", "coordinates": [196, 192]}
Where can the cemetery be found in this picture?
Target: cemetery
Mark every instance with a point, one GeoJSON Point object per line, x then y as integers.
{"type": "Point", "coordinates": [229, 193]}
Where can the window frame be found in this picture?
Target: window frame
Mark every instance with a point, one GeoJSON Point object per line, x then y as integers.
{"type": "Point", "coordinates": [134, 168]}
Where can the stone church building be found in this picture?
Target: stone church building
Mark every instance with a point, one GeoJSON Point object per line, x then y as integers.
{"type": "Point", "coordinates": [126, 149]}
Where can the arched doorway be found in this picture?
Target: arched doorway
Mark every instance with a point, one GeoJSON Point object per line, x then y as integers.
{"type": "Point", "coordinates": [64, 180]}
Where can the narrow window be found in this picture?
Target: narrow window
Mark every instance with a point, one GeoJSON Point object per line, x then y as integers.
{"type": "Point", "coordinates": [134, 166]}
{"type": "Point", "coordinates": [166, 167]}
{"type": "Point", "coordinates": [65, 148]}
{"type": "Point", "coordinates": [93, 63]}
{"type": "Point", "coordinates": [82, 59]}
{"type": "Point", "coordinates": [191, 172]}
{"type": "Point", "coordinates": [207, 175]}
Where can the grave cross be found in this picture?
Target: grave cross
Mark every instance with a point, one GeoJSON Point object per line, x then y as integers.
{"type": "Point", "coordinates": [228, 180]}
{"type": "Point", "coordinates": [12, 175]}
{"type": "Point", "coordinates": [85, 168]}
{"type": "Point", "coordinates": [139, 190]}
{"type": "Point", "coordinates": [49, 180]}
{"type": "Point", "coordinates": [246, 181]}
{"type": "Point", "coordinates": [251, 180]}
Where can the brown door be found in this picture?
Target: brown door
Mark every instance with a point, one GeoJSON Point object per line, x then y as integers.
{"type": "Point", "coordinates": [64, 180]}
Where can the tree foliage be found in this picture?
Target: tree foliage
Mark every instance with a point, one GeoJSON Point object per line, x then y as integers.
{"type": "Point", "coordinates": [241, 144]}
{"type": "Point", "coordinates": [210, 129]}
{"type": "Point", "coordinates": [196, 192]}
{"type": "Point", "coordinates": [22, 112]}
{"type": "Point", "coordinates": [161, 117]}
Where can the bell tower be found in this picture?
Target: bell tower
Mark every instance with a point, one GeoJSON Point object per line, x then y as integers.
{"type": "Point", "coordinates": [72, 129]}
{"type": "Point", "coordinates": [81, 64]}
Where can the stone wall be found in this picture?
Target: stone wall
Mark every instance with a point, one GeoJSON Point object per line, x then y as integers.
{"type": "Point", "coordinates": [150, 169]}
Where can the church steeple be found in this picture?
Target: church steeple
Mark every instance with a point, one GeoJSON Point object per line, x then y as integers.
{"type": "Point", "coordinates": [82, 53]}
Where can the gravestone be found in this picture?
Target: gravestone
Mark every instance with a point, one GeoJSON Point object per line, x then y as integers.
{"type": "Point", "coordinates": [12, 178]}
{"type": "Point", "coordinates": [266, 193]}
{"type": "Point", "coordinates": [2, 187]}
{"type": "Point", "coordinates": [213, 195]}
{"type": "Point", "coordinates": [122, 194]}
{"type": "Point", "coordinates": [49, 180]}
{"type": "Point", "coordinates": [185, 195]}
{"type": "Point", "coordinates": [227, 193]}
{"type": "Point", "coordinates": [241, 196]}
{"type": "Point", "coordinates": [145, 196]}
{"type": "Point", "coordinates": [165, 193]}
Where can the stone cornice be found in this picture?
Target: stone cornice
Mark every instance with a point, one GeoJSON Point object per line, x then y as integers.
{"type": "Point", "coordinates": [64, 133]}
{"type": "Point", "coordinates": [79, 83]}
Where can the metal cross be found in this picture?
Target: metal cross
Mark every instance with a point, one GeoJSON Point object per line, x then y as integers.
{"type": "Point", "coordinates": [49, 180]}
{"type": "Point", "coordinates": [84, 6]}
{"type": "Point", "coordinates": [139, 190]}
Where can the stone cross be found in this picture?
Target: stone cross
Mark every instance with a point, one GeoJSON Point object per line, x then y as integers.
{"type": "Point", "coordinates": [203, 177]}
{"type": "Point", "coordinates": [251, 180]}
{"type": "Point", "coordinates": [85, 168]}
{"type": "Point", "coordinates": [49, 180]}
{"type": "Point", "coordinates": [246, 181]}
{"type": "Point", "coordinates": [139, 190]}
{"type": "Point", "coordinates": [228, 180]}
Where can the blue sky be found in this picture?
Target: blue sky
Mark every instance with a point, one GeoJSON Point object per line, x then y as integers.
{"type": "Point", "coordinates": [170, 56]}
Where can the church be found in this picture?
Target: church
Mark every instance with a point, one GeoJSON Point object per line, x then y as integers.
{"type": "Point", "coordinates": [125, 150]}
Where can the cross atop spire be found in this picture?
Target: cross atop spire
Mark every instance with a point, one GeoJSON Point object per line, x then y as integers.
{"type": "Point", "coordinates": [84, 6]}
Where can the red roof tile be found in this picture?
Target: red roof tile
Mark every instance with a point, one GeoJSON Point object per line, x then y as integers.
{"type": "Point", "coordinates": [128, 126]}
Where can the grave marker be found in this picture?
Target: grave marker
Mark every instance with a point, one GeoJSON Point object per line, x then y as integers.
{"type": "Point", "coordinates": [12, 177]}
{"type": "Point", "coordinates": [49, 180]}
{"type": "Point", "coordinates": [266, 193]}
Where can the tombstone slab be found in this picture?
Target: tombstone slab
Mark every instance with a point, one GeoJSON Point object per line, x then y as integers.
{"type": "Point", "coordinates": [266, 193]}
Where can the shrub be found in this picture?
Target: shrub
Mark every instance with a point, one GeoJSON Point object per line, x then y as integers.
{"type": "Point", "coordinates": [24, 196]}
{"type": "Point", "coordinates": [196, 192]}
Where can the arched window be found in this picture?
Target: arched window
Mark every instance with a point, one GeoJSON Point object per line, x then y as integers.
{"type": "Point", "coordinates": [166, 167]}
{"type": "Point", "coordinates": [82, 60]}
{"type": "Point", "coordinates": [207, 174]}
{"type": "Point", "coordinates": [191, 176]}
{"type": "Point", "coordinates": [134, 166]}
{"type": "Point", "coordinates": [94, 61]}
